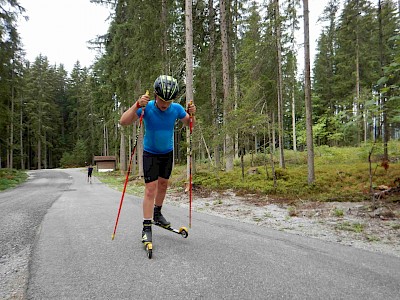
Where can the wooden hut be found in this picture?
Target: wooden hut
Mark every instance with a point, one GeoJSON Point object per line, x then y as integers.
{"type": "Point", "coordinates": [105, 163]}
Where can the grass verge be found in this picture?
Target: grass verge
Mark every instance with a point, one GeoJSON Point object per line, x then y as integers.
{"type": "Point", "coordinates": [10, 178]}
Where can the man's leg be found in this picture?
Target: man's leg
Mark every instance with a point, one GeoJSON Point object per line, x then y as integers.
{"type": "Point", "coordinates": [159, 199]}
{"type": "Point", "coordinates": [161, 191]}
{"type": "Point", "coordinates": [150, 170]}
{"type": "Point", "coordinates": [148, 204]}
{"type": "Point", "coordinates": [149, 196]}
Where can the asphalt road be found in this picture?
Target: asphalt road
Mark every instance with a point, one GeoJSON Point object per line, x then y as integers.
{"type": "Point", "coordinates": [67, 242]}
{"type": "Point", "coordinates": [22, 210]}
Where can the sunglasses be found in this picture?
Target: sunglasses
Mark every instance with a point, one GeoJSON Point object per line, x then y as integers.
{"type": "Point", "coordinates": [167, 101]}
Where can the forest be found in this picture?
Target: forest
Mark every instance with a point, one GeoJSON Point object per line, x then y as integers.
{"type": "Point", "coordinates": [250, 93]}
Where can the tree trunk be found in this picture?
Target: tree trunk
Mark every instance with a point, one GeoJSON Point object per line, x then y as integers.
{"type": "Point", "coordinates": [122, 149]}
{"type": "Point", "coordinates": [104, 138]}
{"type": "Point", "coordinates": [294, 138]}
{"type": "Point", "coordinates": [235, 78]}
{"type": "Point", "coordinates": [189, 72]}
{"type": "Point", "coordinates": [357, 104]}
{"type": "Point", "coordinates": [280, 85]}
{"type": "Point", "coordinates": [39, 154]}
{"type": "Point", "coordinates": [164, 42]}
{"type": "Point", "coordinates": [21, 137]}
{"type": "Point", "coordinates": [294, 121]}
{"type": "Point", "coordinates": [8, 149]}
{"type": "Point", "coordinates": [45, 151]}
{"type": "Point", "coordinates": [271, 151]}
{"type": "Point", "coordinates": [39, 137]}
{"type": "Point", "coordinates": [307, 87]}
{"type": "Point", "coordinates": [12, 122]}
{"type": "Point", "coordinates": [226, 85]}
{"type": "Point", "coordinates": [385, 133]}
{"type": "Point", "coordinates": [213, 81]}
{"type": "Point", "coordinates": [273, 132]}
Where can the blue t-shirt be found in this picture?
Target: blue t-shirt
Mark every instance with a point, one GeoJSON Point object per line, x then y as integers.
{"type": "Point", "coordinates": [159, 125]}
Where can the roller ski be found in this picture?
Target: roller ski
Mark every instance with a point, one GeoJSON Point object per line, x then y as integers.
{"type": "Point", "coordinates": [160, 221]}
{"type": "Point", "coordinates": [183, 231]}
{"type": "Point", "coordinates": [147, 238]}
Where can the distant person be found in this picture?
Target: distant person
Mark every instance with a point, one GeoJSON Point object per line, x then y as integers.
{"type": "Point", "coordinates": [159, 119]}
{"type": "Point", "coordinates": [89, 173]}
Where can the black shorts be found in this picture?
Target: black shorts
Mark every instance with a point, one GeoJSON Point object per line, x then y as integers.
{"type": "Point", "coordinates": [157, 165]}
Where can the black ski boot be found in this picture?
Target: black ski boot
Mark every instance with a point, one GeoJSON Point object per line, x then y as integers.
{"type": "Point", "coordinates": [159, 218]}
{"type": "Point", "coordinates": [146, 233]}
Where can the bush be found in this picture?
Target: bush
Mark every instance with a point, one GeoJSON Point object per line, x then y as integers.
{"type": "Point", "coordinates": [77, 158]}
{"type": "Point", "coordinates": [67, 160]}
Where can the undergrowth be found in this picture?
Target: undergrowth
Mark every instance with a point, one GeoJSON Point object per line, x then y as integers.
{"type": "Point", "coordinates": [10, 178]}
{"type": "Point", "coordinates": [341, 174]}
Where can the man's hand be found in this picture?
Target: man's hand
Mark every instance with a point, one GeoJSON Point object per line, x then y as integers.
{"type": "Point", "coordinates": [143, 100]}
{"type": "Point", "coordinates": [191, 109]}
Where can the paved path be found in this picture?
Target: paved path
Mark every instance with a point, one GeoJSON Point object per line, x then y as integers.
{"type": "Point", "coordinates": [75, 258]}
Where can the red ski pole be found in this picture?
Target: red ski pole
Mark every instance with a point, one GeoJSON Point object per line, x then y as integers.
{"type": "Point", "coordinates": [190, 167]}
{"type": "Point", "coordinates": [129, 171]}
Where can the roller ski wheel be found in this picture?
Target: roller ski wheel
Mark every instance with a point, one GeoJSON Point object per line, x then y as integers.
{"type": "Point", "coordinates": [148, 246]}
{"type": "Point", "coordinates": [183, 231]}
{"type": "Point", "coordinates": [147, 238]}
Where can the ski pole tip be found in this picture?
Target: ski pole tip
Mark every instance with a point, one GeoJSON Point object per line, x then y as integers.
{"type": "Point", "coordinates": [112, 237]}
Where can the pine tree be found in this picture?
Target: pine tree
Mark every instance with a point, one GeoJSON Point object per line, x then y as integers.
{"type": "Point", "coordinates": [10, 62]}
{"type": "Point", "coordinates": [43, 116]}
{"type": "Point", "coordinates": [229, 154]}
{"type": "Point", "coordinates": [308, 104]}
{"type": "Point", "coordinates": [325, 78]}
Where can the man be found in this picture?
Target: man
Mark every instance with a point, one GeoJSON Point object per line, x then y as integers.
{"type": "Point", "coordinates": [159, 119]}
{"type": "Point", "coordinates": [90, 171]}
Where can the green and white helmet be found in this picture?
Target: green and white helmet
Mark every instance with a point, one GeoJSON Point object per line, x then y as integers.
{"type": "Point", "coordinates": [166, 87]}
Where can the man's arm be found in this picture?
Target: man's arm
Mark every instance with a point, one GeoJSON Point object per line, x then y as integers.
{"type": "Point", "coordinates": [130, 116]}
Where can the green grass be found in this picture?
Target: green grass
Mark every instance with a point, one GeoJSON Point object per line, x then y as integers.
{"type": "Point", "coordinates": [338, 212]}
{"type": "Point", "coordinates": [348, 226]}
{"type": "Point", "coordinates": [395, 226]}
{"type": "Point", "coordinates": [117, 179]}
{"type": "Point", "coordinates": [341, 174]}
{"type": "Point", "coordinates": [335, 182]}
{"type": "Point", "coordinates": [10, 178]}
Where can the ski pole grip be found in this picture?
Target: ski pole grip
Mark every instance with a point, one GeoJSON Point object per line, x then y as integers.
{"type": "Point", "coordinates": [137, 103]}
{"type": "Point", "coordinates": [141, 116]}
{"type": "Point", "coordinates": [190, 103]}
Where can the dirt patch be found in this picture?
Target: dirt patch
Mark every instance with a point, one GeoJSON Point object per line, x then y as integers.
{"type": "Point", "coordinates": [359, 224]}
